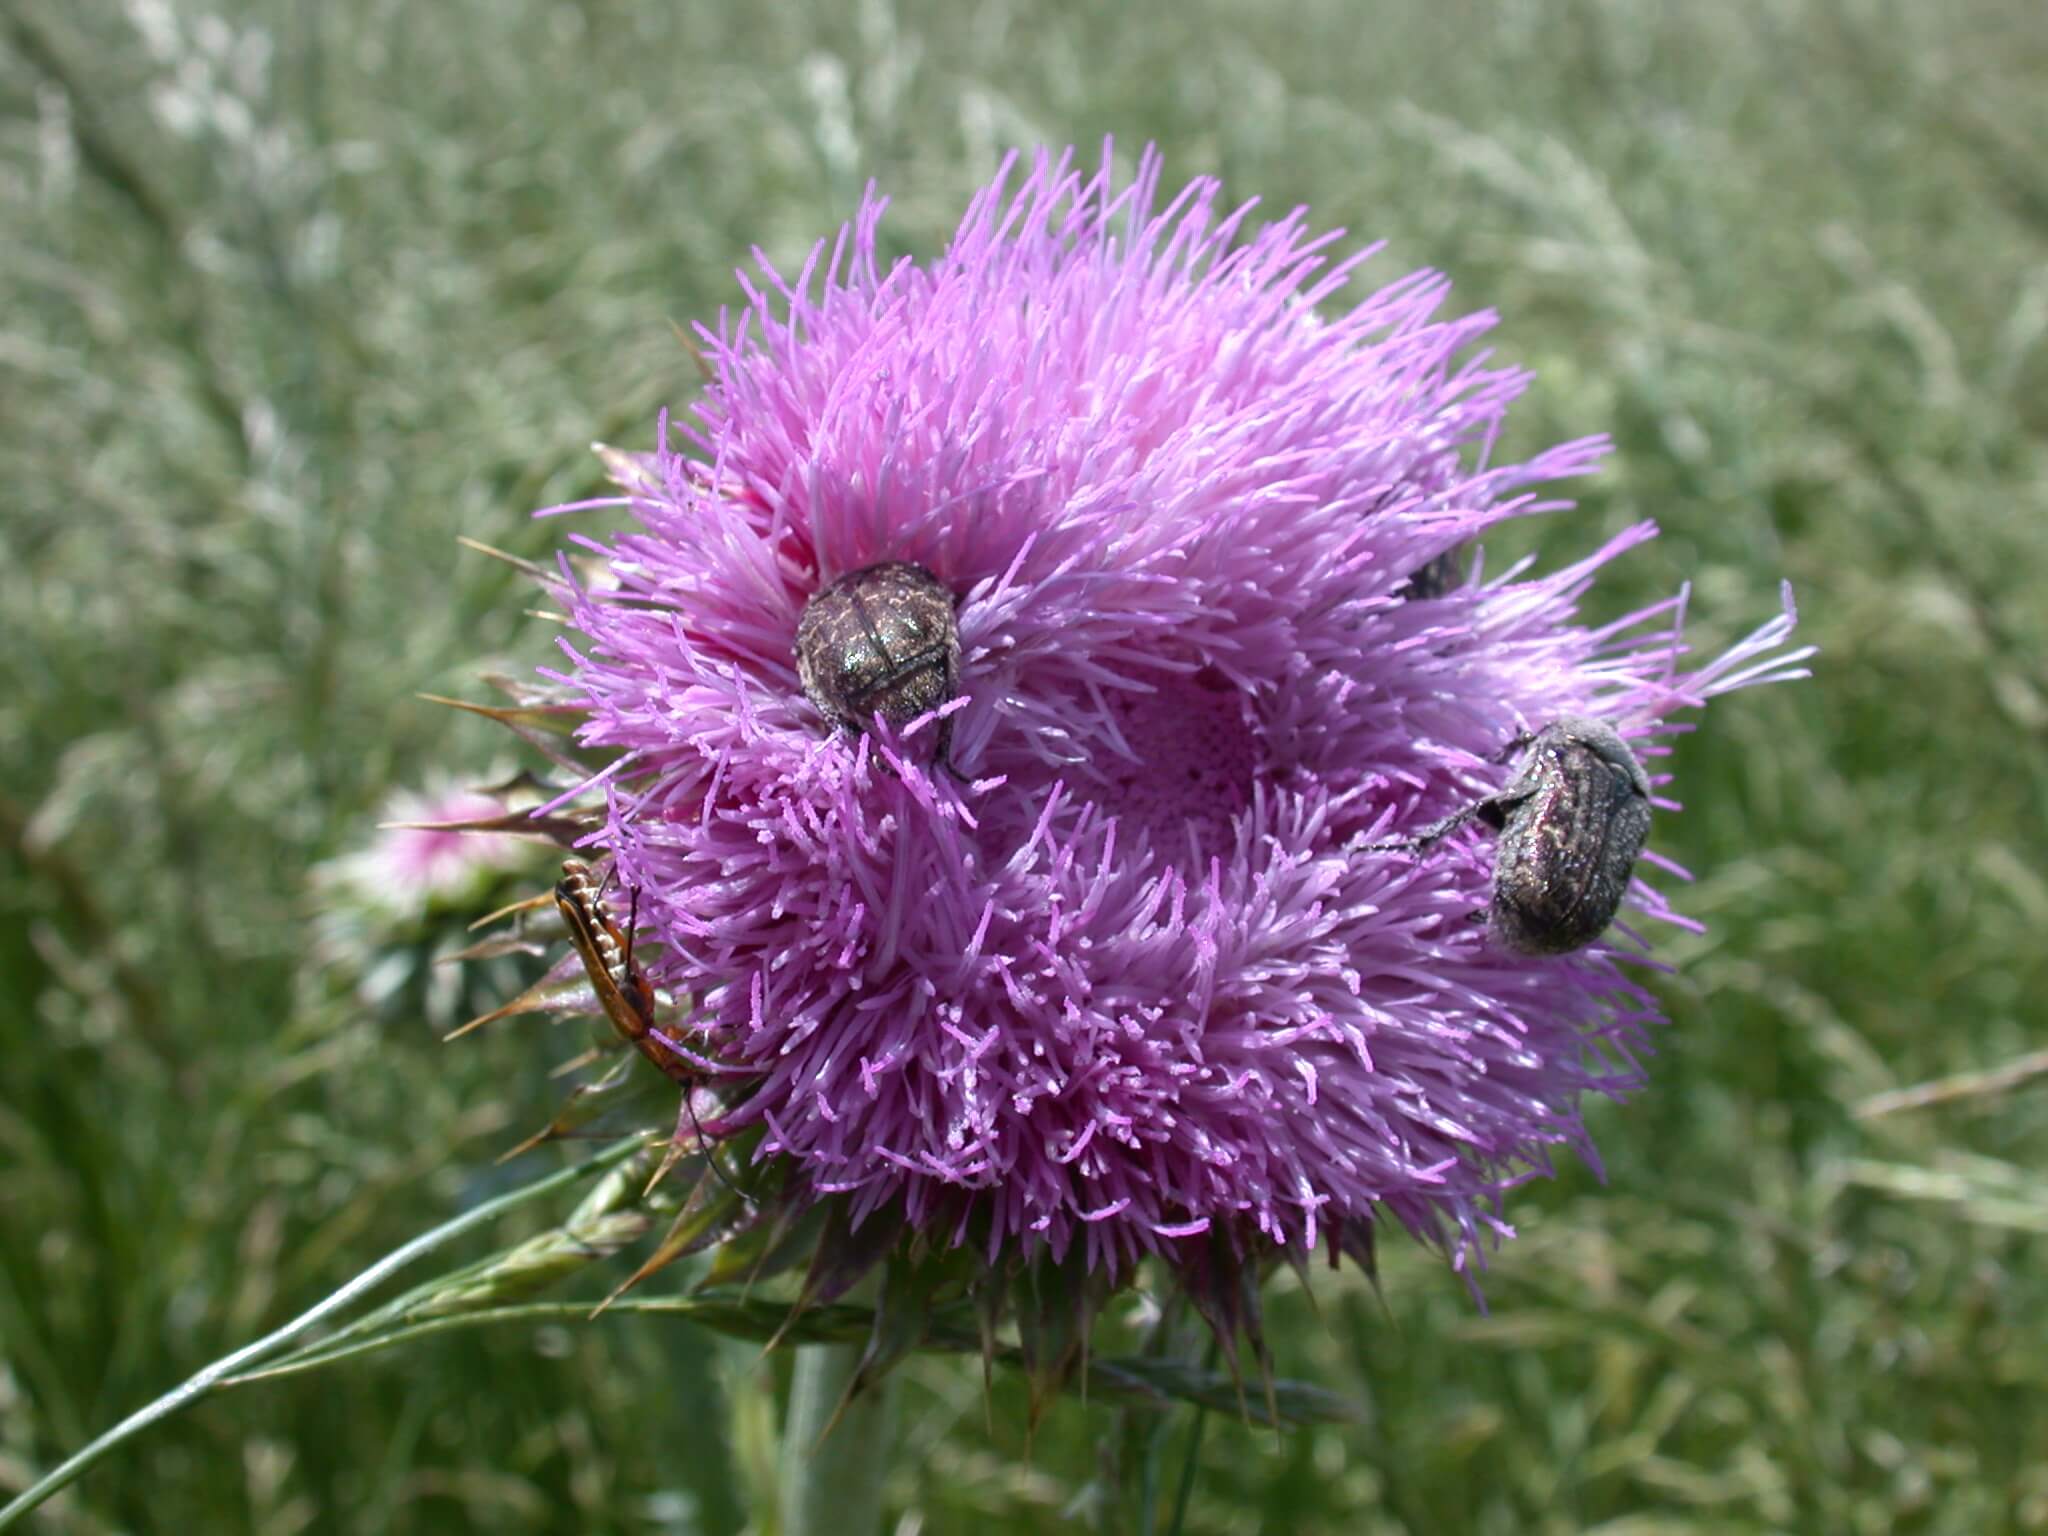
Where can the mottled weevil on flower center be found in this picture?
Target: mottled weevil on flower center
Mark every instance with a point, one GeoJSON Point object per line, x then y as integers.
{"type": "Point", "coordinates": [881, 640]}
{"type": "Point", "coordinates": [1571, 821]}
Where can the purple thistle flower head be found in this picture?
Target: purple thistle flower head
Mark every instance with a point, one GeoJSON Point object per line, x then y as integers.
{"type": "Point", "coordinates": [1122, 968]}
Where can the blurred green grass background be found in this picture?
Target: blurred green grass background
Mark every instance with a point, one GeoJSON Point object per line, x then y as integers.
{"type": "Point", "coordinates": [293, 294]}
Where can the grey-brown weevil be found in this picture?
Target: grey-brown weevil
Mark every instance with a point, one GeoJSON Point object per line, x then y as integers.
{"type": "Point", "coordinates": [1571, 821]}
{"type": "Point", "coordinates": [1434, 577]}
{"type": "Point", "coordinates": [881, 640]}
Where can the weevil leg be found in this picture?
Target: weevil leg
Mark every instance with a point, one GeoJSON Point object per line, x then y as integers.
{"type": "Point", "coordinates": [1515, 743]}
{"type": "Point", "coordinates": [1491, 809]}
{"type": "Point", "coordinates": [1431, 835]}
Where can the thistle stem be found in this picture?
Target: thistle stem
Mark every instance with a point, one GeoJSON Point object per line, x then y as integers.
{"type": "Point", "coordinates": [833, 1458]}
{"type": "Point", "coordinates": [216, 1374]}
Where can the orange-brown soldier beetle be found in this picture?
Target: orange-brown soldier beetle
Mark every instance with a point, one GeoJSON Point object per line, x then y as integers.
{"type": "Point", "coordinates": [626, 995]}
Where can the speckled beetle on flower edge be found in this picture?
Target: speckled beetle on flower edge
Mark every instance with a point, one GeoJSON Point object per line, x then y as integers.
{"type": "Point", "coordinates": [627, 998]}
{"type": "Point", "coordinates": [881, 640]}
{"type": "Point", "coordinates": [1434, 577]}
{"type": "Point", "coordinates": [622, 988]}
{"type": "Point", "coordinates": [1571, 822]}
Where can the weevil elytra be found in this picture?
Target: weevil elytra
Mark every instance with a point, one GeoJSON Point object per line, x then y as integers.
{"type": "Point", "coordinates": [1571, 821]}
{"type": "Point", "coordinates": [881, 640]}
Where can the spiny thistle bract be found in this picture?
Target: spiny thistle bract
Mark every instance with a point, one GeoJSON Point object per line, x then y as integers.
{"type": "Point", "coordinates": [1125, 977]}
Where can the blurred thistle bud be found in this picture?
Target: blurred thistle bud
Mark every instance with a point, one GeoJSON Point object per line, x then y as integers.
{"type": "Point", "coordinates": [388, 910]}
